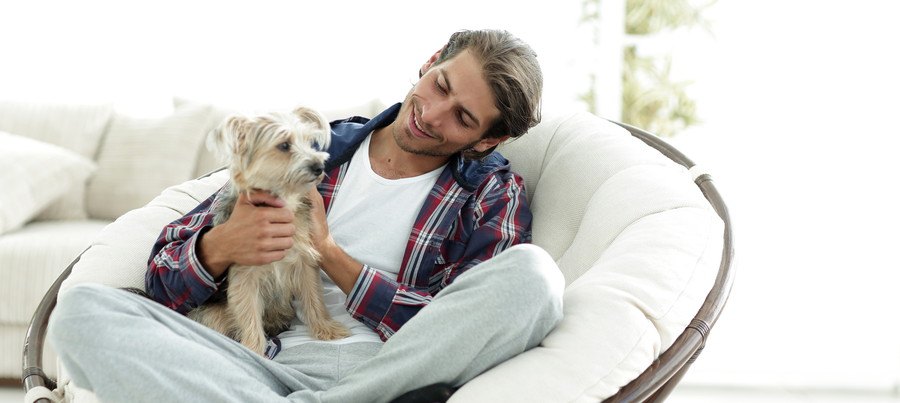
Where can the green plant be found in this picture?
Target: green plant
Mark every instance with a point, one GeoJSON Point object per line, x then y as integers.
{"type": "Point", "coordinates": [650, 98]}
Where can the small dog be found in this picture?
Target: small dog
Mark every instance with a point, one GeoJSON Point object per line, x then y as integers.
{"type": "Point", "coordinates": [275, 153]}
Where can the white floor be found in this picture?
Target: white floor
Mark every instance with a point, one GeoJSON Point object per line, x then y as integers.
{"type": "Point", "coordinates": [693, 395]}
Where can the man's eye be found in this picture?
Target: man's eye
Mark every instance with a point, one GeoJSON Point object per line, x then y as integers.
{"type": "Point", "coordinates": [284, 146]}
{"type": "Point", "coordinates": [462, 120]}
{"type": "Point", "coordinates": [439, 87]}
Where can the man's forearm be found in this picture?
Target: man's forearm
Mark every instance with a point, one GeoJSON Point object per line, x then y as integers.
{"type": "Point", "coordinates": [210, 256]}
{"type": "Point", "coordinates": [339, 266]}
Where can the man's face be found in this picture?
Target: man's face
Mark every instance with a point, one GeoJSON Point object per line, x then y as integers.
{"type": "Point", "coordinates": [448, 110]}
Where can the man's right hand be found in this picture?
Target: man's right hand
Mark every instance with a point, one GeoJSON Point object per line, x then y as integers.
{"type": "Point", "coordinates": [259, 231]}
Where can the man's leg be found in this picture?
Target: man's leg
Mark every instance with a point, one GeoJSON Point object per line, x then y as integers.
{"type": "Point", "coordinates": [126, 348]}
{"type": "Point", "coordinates": [487, 315]}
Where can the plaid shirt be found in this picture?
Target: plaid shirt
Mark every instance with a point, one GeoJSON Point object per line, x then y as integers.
{"type": "Point", "coordinates": [475, 210]}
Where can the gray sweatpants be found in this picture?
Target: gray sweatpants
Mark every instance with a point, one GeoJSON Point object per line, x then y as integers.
{"type": "Point", "coordinates": [126, 348]}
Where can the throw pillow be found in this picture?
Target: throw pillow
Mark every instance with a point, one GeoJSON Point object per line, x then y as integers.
{"type": "Point", "coordinates": [141, 157]}
{"type": "Point", "coordinates": [76, 127]}
{"type": "Point", "coordinates": [33, 174]}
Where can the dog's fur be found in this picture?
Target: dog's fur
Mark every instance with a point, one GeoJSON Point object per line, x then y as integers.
{"type": "Point", "coordinates": [275, 153]}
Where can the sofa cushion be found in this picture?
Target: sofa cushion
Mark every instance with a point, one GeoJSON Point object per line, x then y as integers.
{"type": "Point", "coordinates": [207, 161]}
{"type": "Point", "coordinates": [33, 174]}
{"type": "Point", "coordinates": [75, 127]}
{"type": "Point", "coordinates": [140, 157]}
{"type": "Point", "coordinates": [118, 255]}
{"type": "Point", "coordinates": [28, 263]}
{"type": "Point", "coordinates": [78, 128]}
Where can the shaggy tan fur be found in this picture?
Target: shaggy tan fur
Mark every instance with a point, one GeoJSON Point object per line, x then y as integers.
{"type": "Point", "coordinates": [275, 153]}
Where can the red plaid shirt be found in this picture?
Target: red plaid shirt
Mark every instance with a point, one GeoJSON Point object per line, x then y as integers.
{"type": "Point", "coordinates": [475, 210]}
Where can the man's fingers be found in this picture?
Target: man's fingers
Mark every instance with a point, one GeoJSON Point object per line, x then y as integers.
{"type": "Point", "coordinates": [278, 244]}
{"type": "Point", "coordinates": [285, 230]}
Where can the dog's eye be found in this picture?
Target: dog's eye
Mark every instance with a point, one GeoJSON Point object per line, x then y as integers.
{"type": "Point", "coordinates": [284, 146]}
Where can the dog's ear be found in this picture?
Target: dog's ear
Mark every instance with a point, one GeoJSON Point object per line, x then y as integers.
{"type": "Point", "coordinates": [227, 140]}
{"type": "Point", "coordinates": [320, 126]}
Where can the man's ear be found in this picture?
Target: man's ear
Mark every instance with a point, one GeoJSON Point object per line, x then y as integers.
{"type": "Point", "coordinates": [486, 144]}
{"type": "Point", "coordinates": [430, 62]}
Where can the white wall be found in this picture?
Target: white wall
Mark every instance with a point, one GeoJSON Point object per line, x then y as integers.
{"type": "Point", "coordinates": [257, 54]}
{"type": "Point", "coordinates": [800, 102]}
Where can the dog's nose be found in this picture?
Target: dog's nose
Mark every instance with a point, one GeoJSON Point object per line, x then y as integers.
{"type": "Point", "coordinates": [317, 169]}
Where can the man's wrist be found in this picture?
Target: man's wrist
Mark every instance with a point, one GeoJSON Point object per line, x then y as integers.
{"type": "Point", "coordinates": [211, 258]}
{"type": "Point", "coordinates": [338, 265]}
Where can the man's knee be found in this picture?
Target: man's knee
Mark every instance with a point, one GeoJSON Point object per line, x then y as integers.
{"type": "Point", "coordinates": [534, 279]}
{"type": "Point", "coordinates": [77, 309]}
{"type": "Point", "coordinates": [533, 269]}
{"type": "Point", "coordinates": [84, 298]}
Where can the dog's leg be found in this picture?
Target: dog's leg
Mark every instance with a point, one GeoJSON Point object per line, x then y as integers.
{"type": "Point", "coordinates": [246, 306]}
{"type": "Point", "coordinates": [216, 317]}
{"type": "Point", "coordinates": [308, 289]}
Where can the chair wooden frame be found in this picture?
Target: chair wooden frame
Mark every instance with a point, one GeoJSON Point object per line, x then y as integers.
{"type": "Point", "coordinates": [654, 384]}
{"type": "Point", "coordinates": [658, 380]}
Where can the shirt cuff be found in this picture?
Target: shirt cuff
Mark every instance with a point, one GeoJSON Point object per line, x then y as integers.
{"type": "Point", "coordinates": [196, 266]}
{"type": "Point", "coordinates": [371, 296]}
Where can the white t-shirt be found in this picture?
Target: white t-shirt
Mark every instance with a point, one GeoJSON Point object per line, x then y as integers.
{"type": "Point", "coordinates": [370, 218]}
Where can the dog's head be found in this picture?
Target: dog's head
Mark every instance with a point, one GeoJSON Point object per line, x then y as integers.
{"type": "Point", "coordinates": [277, 152]}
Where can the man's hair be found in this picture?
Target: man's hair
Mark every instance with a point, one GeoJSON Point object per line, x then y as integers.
{"type": "Point", "coordinates": [512, 71]}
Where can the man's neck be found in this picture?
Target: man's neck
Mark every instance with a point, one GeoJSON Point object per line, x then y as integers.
{"type": "Point", "coordinates": [391, 162]}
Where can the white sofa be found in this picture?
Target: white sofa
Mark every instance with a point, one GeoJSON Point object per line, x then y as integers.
{"type": "Point", "coordinates": [66, 172]}
{"type": "Point", "coordinates": [637, 242]}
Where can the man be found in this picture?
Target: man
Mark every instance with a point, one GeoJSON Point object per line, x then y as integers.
{"type": "Point", "coordinates": [416, 222]}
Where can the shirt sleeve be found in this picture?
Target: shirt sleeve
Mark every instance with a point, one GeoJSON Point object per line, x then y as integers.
{"type": "Point", "coordinates": [501, 219]}
{"type": "Point", "coordinates": [175, 277]}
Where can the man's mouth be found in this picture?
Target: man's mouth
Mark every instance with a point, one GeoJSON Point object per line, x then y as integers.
{"type": "Point", "coordinates": [416, 128]}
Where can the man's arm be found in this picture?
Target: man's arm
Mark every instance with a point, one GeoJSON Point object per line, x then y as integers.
{"type": "Point", "coordinates": [501, 219]}
{"type": "Point", "coordinates": [175, 277]}
{"type": "Point", "coordinates": [191, 257]}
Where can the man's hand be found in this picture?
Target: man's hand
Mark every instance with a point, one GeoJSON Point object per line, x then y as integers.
{"type": "Point", "coordinates": [336, 263]}
{"type": "Point", "coordinates": [259, 231]}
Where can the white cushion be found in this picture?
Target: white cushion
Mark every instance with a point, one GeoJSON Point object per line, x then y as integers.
{"type": "Point", "coordinates": [33, 174]}
{"type": "Point", "coordinates": [74, 127]}
{"type": "Point", "coordinates": [207, 161]}
{"type": "Point", "coordinates": [142, 156]}
{"type": "Point", "coordinates": [118, 255]}
{"type": "Point", "coordinates": [639, 247]}
{"type": "Point", "coordinates": [28, 265]}
{"type": "Point", "coordinates": [78, 128]}
{"type": "Point", "coordinates": [11, 337]}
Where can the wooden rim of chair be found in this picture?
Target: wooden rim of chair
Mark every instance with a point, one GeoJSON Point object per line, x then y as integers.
{"type": "Point", "coordinates": [654, 384]}
{"type": "Point", "coordinates": [658, 380]}
{"type": "Point", "coordinates": [33, 375]}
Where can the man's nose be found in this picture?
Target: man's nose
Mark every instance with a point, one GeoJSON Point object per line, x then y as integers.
{"type": "Point", "coordinates": [433, 112]}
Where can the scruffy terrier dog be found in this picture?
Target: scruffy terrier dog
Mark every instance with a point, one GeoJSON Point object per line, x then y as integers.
{"type": "Point", "coordinates": [274, 153]}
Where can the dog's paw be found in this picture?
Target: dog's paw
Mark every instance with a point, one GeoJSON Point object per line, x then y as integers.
{"type": "Point", "coordinates": [330, 330]}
